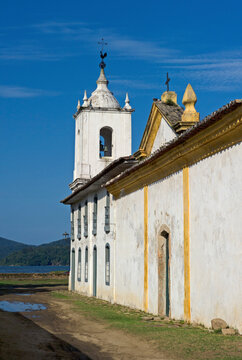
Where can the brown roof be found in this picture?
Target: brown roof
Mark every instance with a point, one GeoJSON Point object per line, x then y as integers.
{"type": "Point", "coordinates": [172, 112]}
{"type": "Point", "coordinates": [206, 122]}
{"type": "Point", "coordinates": [111, 171]}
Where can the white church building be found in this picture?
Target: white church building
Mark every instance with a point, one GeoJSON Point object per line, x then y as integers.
{"type": "Point", "coordinates": [159, 230]}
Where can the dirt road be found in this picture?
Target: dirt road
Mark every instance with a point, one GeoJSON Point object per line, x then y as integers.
{"type": "Point", "coordinates": [61, 333]}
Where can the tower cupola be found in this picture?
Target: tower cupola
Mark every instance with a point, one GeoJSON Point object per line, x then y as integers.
{"type": "Point", "coordinates": [103, 131]}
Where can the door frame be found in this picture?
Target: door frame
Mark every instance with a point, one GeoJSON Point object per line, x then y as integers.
{"type": "Point", "coordinates": [163, 269]}
{"type": "Point", "coordinates": [73, 269]}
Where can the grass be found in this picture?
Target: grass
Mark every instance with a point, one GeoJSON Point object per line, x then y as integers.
{"type": "Point", "coordinates": [177, 339]}
{"type": "Point", "coordinates": [8, 282]}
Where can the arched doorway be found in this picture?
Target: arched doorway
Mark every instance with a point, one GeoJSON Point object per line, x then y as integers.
{"type": "Point", "coordinates": [164, 272]}
{"type": "Point", "coordinates": [73, 270]}
{"type": "Point", "coordinates": [95, 271]}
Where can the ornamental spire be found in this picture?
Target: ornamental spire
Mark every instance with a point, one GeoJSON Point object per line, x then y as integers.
{"type": "Point", "coordinates": [127, 105]}
{"type": "Point", "coordinates": [189, 100]}
{"type": "Point", "coordinates": [85, 99]}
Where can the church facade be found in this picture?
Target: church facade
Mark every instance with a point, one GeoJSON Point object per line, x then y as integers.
{"type": "Point", "coordinates": [158, 230]}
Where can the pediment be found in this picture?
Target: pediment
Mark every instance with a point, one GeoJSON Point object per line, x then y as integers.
{"type": "Point", "coordinates": [159, 128]}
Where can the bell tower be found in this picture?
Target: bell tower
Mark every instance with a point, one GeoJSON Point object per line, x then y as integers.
{"type": "Point", "coordinates": [102, 131]}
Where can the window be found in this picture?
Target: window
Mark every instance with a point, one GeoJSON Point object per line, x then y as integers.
{"type": "Point", "coordinates": [94, 228]}
{"type": "Point", "coordinates": [107, 264]}
{"type": "Point", "coordinates": [72, 226]}
{"type": "Point", "coordinates": [79, 266]}
{"type": "Point", "coordinates": [107, 214]}
{"type": "Point", "coordinates": [86, 264]}
{"type": "Point", "coordinates": [86, 220]}
{"type": "Point", "coordinates": [105, 142]}
{"type": "Point", "coordinates": [79, 226]}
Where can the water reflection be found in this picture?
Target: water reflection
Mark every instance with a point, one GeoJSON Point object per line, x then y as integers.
{"type": "Point", "coordinates": [18, 306]}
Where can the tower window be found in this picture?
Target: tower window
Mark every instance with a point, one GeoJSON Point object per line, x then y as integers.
{"type": "Point", "coordinates": [105, 142]}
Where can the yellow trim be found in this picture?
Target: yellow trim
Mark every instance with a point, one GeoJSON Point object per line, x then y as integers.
{"type": "Point", "coordinates": [145, 305]}
{"type": "Point", "coordinates": [211, 140]}
{"type": "Point", "coordinates": [150, 133]}
{"type": "Point", "coordinates": [187, 306]}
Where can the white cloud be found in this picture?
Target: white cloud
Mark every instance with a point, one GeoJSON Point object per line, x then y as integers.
{"type": "Point", "coordinates": [134, 84]}
{"type": "Point", "coordinates": [7, 91]}
{"type": "Point", "coordinates": [216, 70]}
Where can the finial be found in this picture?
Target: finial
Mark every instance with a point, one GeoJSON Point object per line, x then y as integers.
{"type": "Point", "coordinates": [85, 99]}
{"type": "Point", "coordinates": [189, 100]}
{"type": "Point", "coordinates": [78, 105]}
{"type": "Point", "coordinates": [127, 105]}
{"type": "Point", "coordinates": [102, 64]}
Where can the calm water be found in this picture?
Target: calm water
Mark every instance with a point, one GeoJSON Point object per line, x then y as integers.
{"type": "Point", "coordinates": [17, 306]}
{"type": "Point", "coordinates": [32, 269]}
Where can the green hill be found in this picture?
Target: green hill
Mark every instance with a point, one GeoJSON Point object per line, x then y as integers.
{"type": "Point", "coordinates": [9, 246]}
{"type": "Point", "coordinates": [54, 253]}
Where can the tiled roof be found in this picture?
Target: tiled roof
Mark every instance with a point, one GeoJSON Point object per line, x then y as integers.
{"type": "Point", "coordinates": [206, 122]}
{"type": "Point", "coordinates": [172, 112]}
{"type": "Point", "coordinates": [111, 171]}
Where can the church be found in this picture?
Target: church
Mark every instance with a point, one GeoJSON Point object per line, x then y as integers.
{"type": "Point", "coordinates": [158, 230]}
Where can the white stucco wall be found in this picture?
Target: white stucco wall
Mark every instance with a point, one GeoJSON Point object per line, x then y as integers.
{"type": "Point", "coordinates": [87, 135]}
{"type": "Point", "coordinates": [130, 249]}
{"type": "Point", "coordinates": [100, 240]}
{"type": "Point", "coordinates": [215, 236]}
{"type": "Point", "coordinates": [164, 134]}
{"type": "Point", "coordinates": [165, 204]}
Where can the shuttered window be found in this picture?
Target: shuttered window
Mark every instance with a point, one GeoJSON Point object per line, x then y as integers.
{"type": "Point", "coordinates": [79, 226]}
{"type": "Point", "coordinates": [107, 264]}
{"type": "Point", "coordinates": [86, 220]}
{"type": "Point", "coordinates": [72, 226]}
{"type": "Point", "coordinates": [107, 214]}
{"type": "Point", "coordinates": [79, 266]}
{"type": "Point", "coordinates": [86, 264]}
{"type": "Point", "coordinates": [94, 227]}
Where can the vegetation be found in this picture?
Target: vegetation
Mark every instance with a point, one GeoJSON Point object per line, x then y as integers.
{"type": "Point", "coordinates": [170, 102]}
{"type": "Point", "coordinates": [8, 246]}
{"type": "Point", "coordinates": [176, 339]}
{"type": "Point", "coordinates": [54, 253]}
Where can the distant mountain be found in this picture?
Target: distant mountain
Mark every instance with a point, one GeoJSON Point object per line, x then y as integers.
{"type": "Point", "coordinates": [54, 253]}
{"type": "Point", "coordinates": [9, 246]}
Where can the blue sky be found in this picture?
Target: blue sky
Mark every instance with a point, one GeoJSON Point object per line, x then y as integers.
{"type": "Point", "coordinates": [49, 55]}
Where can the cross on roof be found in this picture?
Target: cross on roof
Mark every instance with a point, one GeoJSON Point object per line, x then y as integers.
{"type": "Point", "coordinates": [167, 81]}
{"type": "Point", "coordinates": [65, 234]}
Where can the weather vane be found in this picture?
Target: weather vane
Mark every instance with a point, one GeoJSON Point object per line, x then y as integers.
{"type": "Point", "coordinates": [102, 55]}
{"type": "Point", "coordinates": [167, 81]}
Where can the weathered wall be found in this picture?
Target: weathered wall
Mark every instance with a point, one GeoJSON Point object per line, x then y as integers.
{"type": "Point", "coordinates": [87, 135]}
{"type": "Point", "coordinates": [215, 238]}
{"type": "Point", "coordinates": [130, 250]}
{"type": "Point", "coordinates": [165, 204]}
{"type": "Point", "coordinates": [100, 240]}
{"type": "Point", "coordinates": [164, 134]}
